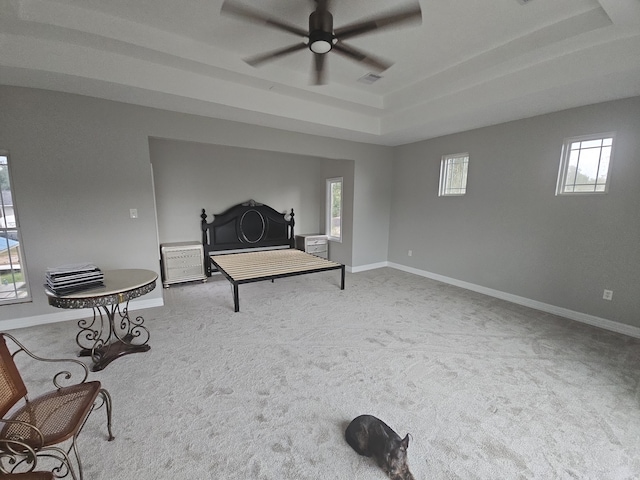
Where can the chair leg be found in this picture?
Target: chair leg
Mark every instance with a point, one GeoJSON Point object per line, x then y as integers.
{"type": "Point", "coordinates": [65, 461]}
{"type": "Point", "coordinates": [106, 400]}
{"type": "Point", "coordinates": [106, 396]}
{"type": "Point", "coordinates": [74, 446]}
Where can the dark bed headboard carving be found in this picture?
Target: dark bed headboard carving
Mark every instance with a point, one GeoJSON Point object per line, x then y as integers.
{"type": "Point", "coordinates": [245, 226]}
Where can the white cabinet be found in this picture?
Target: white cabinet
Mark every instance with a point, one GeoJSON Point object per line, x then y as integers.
{"type": "Point", "coordinates": [182, 262]}
{"type": "Point", "coordinates": [313, 243]}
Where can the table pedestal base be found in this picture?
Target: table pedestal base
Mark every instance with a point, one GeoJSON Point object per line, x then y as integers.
{"type": "Point", "coordinates": [106, 354]}
{"type": "Point", "coordinates": [110, 335]}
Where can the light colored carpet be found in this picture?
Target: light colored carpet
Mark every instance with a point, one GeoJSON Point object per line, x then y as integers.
{"type": "Point", "coordinates": [487, 389]}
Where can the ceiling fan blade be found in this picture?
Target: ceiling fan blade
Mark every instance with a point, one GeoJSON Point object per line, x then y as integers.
{"type": "Point", "coordinates": [260, 18]}
{"type": "Point", "coordinates": [273, 54]}
{"type": "Point", "coordinates": [320, 75]}
{"type": "Point", "coordinates": [407, 14]}
{"type": "Point", "coordinates": [351, 53]}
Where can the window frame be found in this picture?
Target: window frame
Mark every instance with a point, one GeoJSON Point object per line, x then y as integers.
{"type": "Point", "coordinates": [444, 186]}
{"type": "Point", "coordinates": [329, 201]}
{"type": "Point", "coordinates": [4, 232]}
{"type": "Point", "coordinates": [565, 157]}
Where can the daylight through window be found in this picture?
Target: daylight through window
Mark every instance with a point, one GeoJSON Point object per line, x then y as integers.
{"type": "Point", "coordinates": [453, 174]}
{"type": "Point", "coordinates": [13, 282]}
{"type": "Point", "coordinates": [585, 164]}
{"type": "Point", "coordinates": [334, 209]}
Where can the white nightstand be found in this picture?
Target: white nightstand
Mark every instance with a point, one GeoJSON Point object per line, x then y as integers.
{"type": "Point", "coordinates": [313, 243]}
{"type": "Point", "coordinates": [182, 262]}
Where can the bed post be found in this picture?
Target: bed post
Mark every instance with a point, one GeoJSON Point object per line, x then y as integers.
{"type": "Point", "coordinates": [205, 243]}
{"type": "Point", "coordinates": [292, 237]}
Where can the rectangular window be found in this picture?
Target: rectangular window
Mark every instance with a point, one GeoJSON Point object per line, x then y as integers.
{"type": "Point", "coordinates": [453, 174]}
{"type": "Point", "coordinates": [13, 278]}
{"type": "Point", "coordinates": [334, 209]}
{"type": "Point", "coordinates": [585, 164]}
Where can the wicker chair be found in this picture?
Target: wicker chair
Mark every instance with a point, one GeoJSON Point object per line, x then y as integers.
{"type": "Point", "coordinates": [46, 426]}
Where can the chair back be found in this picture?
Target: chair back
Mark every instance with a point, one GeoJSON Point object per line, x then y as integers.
{"type": "Point", "coordinates": [12, 388]}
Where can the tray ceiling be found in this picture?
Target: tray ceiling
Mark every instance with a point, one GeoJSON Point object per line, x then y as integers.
{"type": "Point", "coordinates": [468, 65]}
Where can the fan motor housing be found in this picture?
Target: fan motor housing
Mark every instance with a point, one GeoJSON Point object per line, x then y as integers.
{"type": "Point", "coordinates": [320, 31]}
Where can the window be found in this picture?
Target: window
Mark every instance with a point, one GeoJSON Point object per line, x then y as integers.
{"type": "Point", "coordinates": [453, 174]}
{"type": "Point", "coordinates": [334, 209]}
{"type": "Point", "coordinates": [13, 280]}
{"type": "Point", "coordinates": [585, 164]}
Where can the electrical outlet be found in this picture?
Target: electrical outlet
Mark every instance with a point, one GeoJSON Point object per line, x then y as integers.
{"type": "Point", "coordinates": [607, 295]}
{"type": "Point", "coordinates": [410, 252]}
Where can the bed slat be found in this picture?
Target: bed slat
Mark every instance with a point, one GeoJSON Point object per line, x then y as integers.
{"type": "Point", "coordinates": [243, 266]}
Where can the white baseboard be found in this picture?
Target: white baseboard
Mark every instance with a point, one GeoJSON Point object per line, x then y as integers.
{"type": "Point", "coordinates": [364, 268]}
{"type": "Point", "coordinates": [527, 302]}
{"type": "Point", "coordinates": [64, 315]}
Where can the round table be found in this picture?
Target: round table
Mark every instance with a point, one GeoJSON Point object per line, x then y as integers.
{"type": "Point", "coordinates": [106, 336]}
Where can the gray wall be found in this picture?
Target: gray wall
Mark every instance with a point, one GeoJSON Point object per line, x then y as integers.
{"type": "Point", "coordinates": [190, 176]}
{"type": "Point", "coordinates": [80, 163]}
{"type": "Point", "coordinates": [510, 232]}
{"type": "Point", "coordinates": [78, 166]}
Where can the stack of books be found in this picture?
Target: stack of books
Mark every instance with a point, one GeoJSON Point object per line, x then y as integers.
{"type": "Point", "coordinates": [73, 278]}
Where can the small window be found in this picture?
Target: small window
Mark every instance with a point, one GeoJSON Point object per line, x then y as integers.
{"type": "Point", "coordinates": [585, 164]}
{"type": "Point", "coordinates": [334, 209]}
{"type": "Point", "coordinates": [453, 174]}
{"type": "Point", "coordinates": [13, 280]}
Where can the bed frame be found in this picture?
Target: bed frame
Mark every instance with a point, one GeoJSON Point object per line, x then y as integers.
{"type": "Point", "coordinates": [237, 244]}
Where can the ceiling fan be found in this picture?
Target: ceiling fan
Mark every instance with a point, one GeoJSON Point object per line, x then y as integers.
{"type": "Point", "coordinates": [321, 38]}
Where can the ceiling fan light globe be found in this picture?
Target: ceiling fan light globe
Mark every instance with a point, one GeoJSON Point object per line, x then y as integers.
{"type": "Point", "coordinates": [320, 41]}
{"type": "Point", "coordinates": [320, 46]}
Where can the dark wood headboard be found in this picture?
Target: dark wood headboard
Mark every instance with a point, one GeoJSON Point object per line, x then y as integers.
{"type": "Point", "coordinates": [248, 225]}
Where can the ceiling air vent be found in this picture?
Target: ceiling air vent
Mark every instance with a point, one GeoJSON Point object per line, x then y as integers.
{"type": "Point", "coordinates": [369, 78]}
